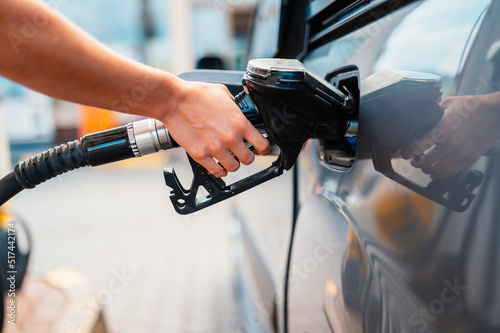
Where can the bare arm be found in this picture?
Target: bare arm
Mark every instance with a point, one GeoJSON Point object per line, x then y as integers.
{"type": "Point", "coordinates": [46, 52]}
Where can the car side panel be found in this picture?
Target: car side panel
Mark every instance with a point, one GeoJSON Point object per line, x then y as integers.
{"type": "Point", "coordinates": [369, 255]}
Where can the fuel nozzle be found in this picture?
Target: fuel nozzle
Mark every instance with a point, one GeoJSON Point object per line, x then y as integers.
{"type": "Point", "coordinates": [289, 104]}
{"type": "Point", "coordinates": [296, 104]}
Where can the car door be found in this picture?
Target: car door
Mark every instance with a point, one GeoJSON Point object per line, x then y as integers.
{"type": "Point", "coordinates": [369, 254]}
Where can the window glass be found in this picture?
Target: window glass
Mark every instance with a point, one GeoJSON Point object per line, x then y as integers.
{"type": "Point", "coordinates": [456, 40]}
{"type": "Point", "coordinates": [266, 29]}
{"type": "Point", "coordinates": [433, 38]}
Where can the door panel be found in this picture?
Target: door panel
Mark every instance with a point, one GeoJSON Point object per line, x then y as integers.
{"type": "Point", "coordinates": [401, 262]}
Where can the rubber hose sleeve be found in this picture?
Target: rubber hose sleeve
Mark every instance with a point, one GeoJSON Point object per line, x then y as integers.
{"type": "Point", "coordinates": [49, 164]}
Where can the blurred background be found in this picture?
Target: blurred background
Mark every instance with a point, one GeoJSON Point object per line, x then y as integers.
{"type": "Point", "coordinates": [109, 253]}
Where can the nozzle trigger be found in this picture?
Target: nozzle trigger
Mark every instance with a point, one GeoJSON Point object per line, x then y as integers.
{"type": "Point", "coordinates": [188, 201]}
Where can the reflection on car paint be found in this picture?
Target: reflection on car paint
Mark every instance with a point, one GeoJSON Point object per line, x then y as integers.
{"type": "Point", "coordinates": [425, 268]}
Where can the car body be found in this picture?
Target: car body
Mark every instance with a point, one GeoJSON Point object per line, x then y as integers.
{"type": "Point", "coordinates": [326, 250]}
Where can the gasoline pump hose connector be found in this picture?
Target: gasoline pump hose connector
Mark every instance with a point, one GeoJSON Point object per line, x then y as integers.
{"type": "Point", "coordinates": [133, 140]}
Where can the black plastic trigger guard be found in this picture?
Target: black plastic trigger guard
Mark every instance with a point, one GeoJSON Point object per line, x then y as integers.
{"type": "Point", "coordinates": [188, 201]}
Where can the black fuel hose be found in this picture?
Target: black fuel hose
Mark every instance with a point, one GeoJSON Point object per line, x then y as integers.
{"type": "Point", "coordinates": [42, 167]}
{"type": "Point", "coordinates": [133, 140]}
{"type": "Point", "coordinates": [9, 188]}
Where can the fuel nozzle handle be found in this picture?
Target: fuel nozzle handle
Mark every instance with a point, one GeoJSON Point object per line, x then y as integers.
{"type": "Point", "coordinates": [248, 108]}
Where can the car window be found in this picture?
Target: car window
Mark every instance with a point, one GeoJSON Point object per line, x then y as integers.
{"type": "Point", "coordinates": [266, 29]}
{"type": "Point", "coordinates": [361, 47]}
{"type": "Point", "coordinates": [433, 38]}
{"type": "Point", "coordinates": [447, 38]}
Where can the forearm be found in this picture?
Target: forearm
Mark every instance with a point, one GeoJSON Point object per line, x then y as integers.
{"type": "Point", "coordinates": [46, 52]}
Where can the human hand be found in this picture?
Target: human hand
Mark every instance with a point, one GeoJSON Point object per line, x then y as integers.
{"type": "Point", "coordinates": [469, 127]}
{"type": "Point", "coordinates": [208, 124]}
